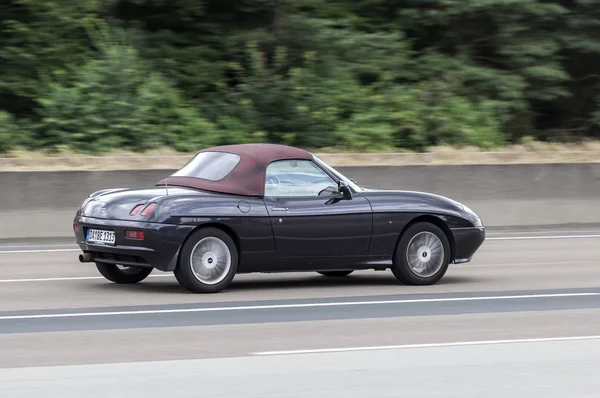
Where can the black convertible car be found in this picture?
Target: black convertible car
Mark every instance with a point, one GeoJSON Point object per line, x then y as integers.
{"type": "Point", "coordinates": [270, 208]}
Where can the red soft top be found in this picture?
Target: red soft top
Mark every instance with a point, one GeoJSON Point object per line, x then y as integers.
{"type": "Point", "coordinates": [248, 176]}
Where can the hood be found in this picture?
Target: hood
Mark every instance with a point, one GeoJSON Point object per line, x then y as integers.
{"type": "Point", "coordinates": [415, 201]}
{"type": "Point", "coordinates": [417, 197]}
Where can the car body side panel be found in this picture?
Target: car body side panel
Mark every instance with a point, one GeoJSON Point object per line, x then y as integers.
{"type": "Point", "coordinates": [179, 212]}
{"type": "Point", "coordinates": [368, 239]}
{"type": "Point", "coordinates": [394, 210]}
{"type": "Point", "coordinates": [246, 217]}
{"type": "Point", "coordinates": [386, 231]}
{"type": "Point", "coordinates": [321, 226]}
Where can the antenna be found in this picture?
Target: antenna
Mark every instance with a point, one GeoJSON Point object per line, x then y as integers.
{"type": "Point", "coordinates": [167, 185]}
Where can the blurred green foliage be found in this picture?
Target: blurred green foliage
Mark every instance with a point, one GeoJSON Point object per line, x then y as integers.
{"type": "Point", "coordinates": [7, 131]}
{"type": "Point", "coordinates": [362, 75]}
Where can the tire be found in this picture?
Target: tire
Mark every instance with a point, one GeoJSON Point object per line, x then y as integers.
{"type": "Point", "coordinates": [335, 273]}
{"type": "Point", "coordinates": [425, 240]}
{"type": "Point", "coordinates": [211, 247]}
{"type": "Point", "coordinates": [128, 275]}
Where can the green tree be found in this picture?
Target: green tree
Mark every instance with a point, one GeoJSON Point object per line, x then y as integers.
{"type": "Point", "coordinates": [363, 74]}
{"type": "Point", "coordinates": [115, 101]}
{"type": "Point", "coordinates": [39, 39]}
{"type": "Point", "coordinates": [8, 132]}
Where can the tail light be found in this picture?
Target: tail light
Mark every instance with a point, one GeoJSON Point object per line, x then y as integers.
{"type": "Point", "coordinates": [136, 210]}
{"type": "Point", "coordinates": [149, 209]}
{"type": "Point", "coordinates": [146, 212]}
{"type": "Point", "coordinates": [137, 235]}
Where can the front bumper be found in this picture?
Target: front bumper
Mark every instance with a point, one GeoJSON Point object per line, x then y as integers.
{"type": "Point", "coordinates": [159, 249]}
{"type": "Point", "coordinates": [466, 242]}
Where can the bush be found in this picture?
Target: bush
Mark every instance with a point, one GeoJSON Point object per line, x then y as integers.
{"type": "Point", "coordinates": [8, 131]}
{"type": "Point", "coordinates": [415, 117]}
{"type": "Point", "coordinates": [117, 101]}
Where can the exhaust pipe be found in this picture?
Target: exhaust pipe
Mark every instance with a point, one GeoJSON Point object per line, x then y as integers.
{"type": "Point", "coordinates": [86, 258]}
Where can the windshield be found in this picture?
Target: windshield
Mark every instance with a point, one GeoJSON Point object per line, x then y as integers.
{"type": "Point", "coordinates": [212, 166]}
{"type": "Point", "coordinates": [339, 175]}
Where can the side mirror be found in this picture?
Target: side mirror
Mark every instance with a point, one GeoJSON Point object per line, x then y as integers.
{"type": "Point", "coordinates": [344, 189]}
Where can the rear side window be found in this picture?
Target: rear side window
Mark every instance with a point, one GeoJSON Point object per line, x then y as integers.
{"type": "Point", "coordinates": [213, 166]}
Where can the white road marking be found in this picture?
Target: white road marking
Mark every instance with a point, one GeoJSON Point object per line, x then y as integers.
{"type": "Point", "coordinates": [462, 265]}
{"type": "Point", "coordinates": [44, 246]}
{"type": "Point", "coordinates": [543, 237]}
{"type": "Point", "coordinates": [38, 251]}
{"type": "Point", "coordinates": [475, 264]}
{"type": "Point", "coordinates": [305, 305]}
{"type": "Point", "coordinates": [67, 278]}
{"type": "Point", "coordinates": [546, 231]}
{"type": "Point", "coordinates": [430, 345]}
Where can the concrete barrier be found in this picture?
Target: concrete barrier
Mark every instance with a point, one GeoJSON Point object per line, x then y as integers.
{"type": "Point", "coordinates": [42, 204]}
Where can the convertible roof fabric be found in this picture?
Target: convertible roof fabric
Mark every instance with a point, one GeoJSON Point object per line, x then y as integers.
{"type": "Point", "coordinates": [248, 176]}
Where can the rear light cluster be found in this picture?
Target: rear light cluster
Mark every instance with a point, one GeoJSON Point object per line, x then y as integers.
{"type": "Point", "coordinates": [136, 210]}
{"type": "Point", "coordinates": [137, 235]}
{"type": "Point", "coordinates": [146, 212]}
{"type": "Point", "coordinates": [149, 209]}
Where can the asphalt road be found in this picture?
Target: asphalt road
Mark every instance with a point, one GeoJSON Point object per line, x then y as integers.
{"type": "Point", "coordinates": [64, 330]}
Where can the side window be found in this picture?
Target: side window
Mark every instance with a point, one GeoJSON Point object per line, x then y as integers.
{"type": "Point", "coordinates": [287, 178]}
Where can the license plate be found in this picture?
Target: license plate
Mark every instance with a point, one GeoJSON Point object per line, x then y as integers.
{"type": "Point", "coordinates": [100, 236]}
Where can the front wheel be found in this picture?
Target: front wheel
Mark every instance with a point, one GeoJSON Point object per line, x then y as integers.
{"type": "Point", "coordinates": [208, 261]}
{"type": "Point", "coordinates": [422, 255]}
{"type": "Point", "coordinates": [123, 275]}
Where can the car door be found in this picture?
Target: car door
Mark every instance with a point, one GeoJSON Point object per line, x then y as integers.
{"type": "Point", "coordinates": [308, 216]}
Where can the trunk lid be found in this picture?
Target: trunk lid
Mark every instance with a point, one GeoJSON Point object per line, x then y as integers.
{"type": "Point", "coordinates": [117, 204]}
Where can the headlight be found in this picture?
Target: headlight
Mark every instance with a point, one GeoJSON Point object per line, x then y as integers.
{"type": "Point", "coordinates": [478, 222]}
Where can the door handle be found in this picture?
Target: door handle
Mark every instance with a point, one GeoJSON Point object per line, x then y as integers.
{"type": "Point", "coordinates": [279, 208]}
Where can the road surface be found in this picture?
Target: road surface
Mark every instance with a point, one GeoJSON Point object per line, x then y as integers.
{"type": "Point", "coordinates": [522, 319]}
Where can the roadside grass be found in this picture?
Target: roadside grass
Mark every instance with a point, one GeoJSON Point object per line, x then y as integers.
{"type": "Point", "coordinates": [167, 158]}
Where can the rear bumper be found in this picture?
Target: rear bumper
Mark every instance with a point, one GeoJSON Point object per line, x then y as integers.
{"type": "Point", "coordinates": [466, 242]}
{"type": "Point", "coordinates": [159, 249]}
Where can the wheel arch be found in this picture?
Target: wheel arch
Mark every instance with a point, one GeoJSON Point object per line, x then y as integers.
{"type": "Point", "coordinates": [438, 222]}
{"type": "Point", "coordinates": [228, 230]}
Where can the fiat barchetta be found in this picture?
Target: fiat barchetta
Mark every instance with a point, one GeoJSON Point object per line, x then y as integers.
{"type": "Point", "coordinates": [264, 208]}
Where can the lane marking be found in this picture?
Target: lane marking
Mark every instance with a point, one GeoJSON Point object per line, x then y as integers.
{"type": "Point", "coordinates": [548, 232]}
{"type": "Point", "coordinates": [430, 345]}
{"type": "Point", "coordinates": [68, 278]}
{"type": "Point", "coordinates": [283, 306]}
{"type": "Point", "coordinates": [543, 237]}
{"type": "Point", "coordinates": [38, 251]}
{"type": "Point", "coordinates": [53, 246]}
{"type": "Point", "coordinates": [463, 265]}
{"type": "Point", "coordinates": [474, 264]}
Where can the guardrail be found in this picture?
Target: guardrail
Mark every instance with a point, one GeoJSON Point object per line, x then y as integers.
{"type": "Point", "coordinates": [41, 204]}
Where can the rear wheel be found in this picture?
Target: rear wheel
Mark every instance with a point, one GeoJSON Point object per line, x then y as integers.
{"type": "Point", "coordinates": [422, 255]}
{"type": "Point", "coordinates": [208, 261]}
{"type": "Point", "coordinates": [122, 274]}
{"type": "Point", "coordinates": [335, 273]}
